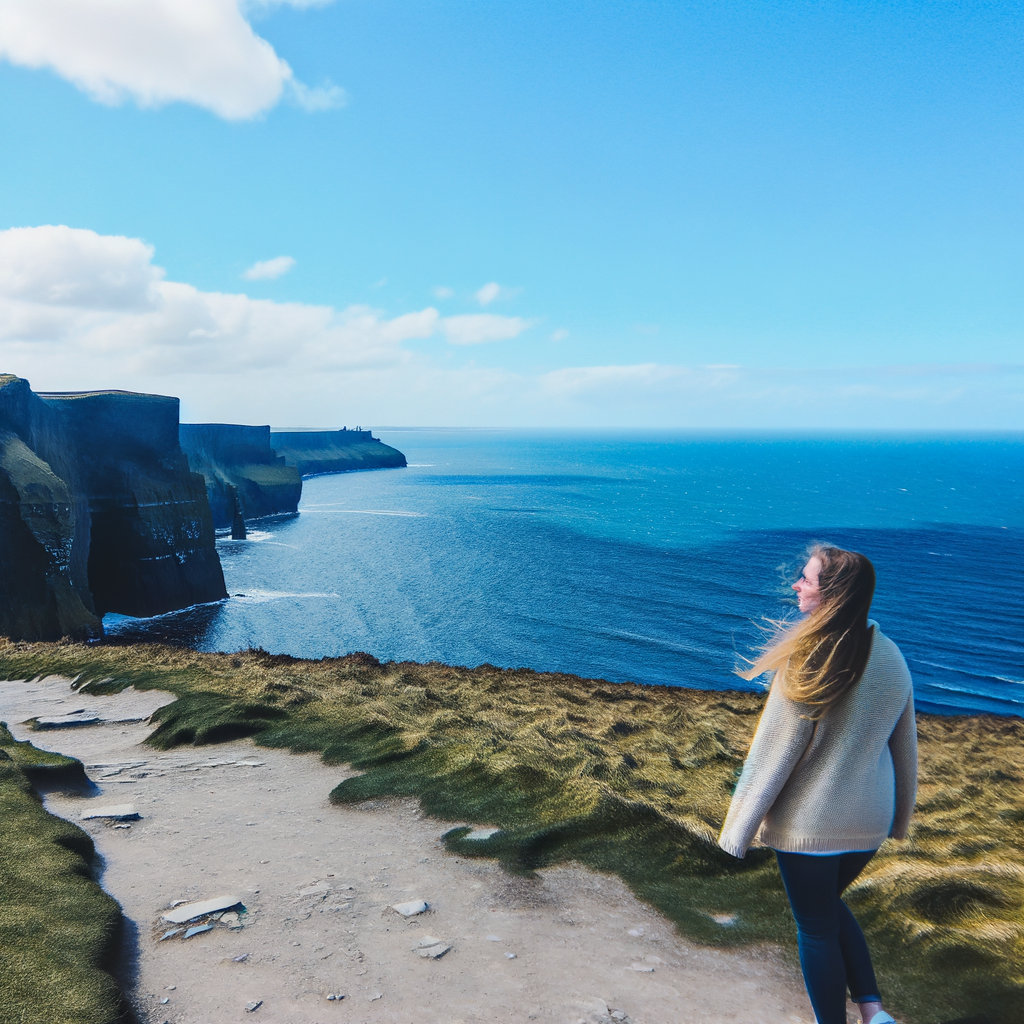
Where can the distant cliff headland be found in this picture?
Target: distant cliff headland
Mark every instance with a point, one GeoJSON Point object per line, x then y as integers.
{"type": "Point", "coordinates": [108, 504]}
{"type": "Point", "coordinates": [334, 451]}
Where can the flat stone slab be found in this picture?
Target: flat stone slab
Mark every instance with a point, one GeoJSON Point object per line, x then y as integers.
{"type": "Point", "coordinates": [116, 812]}
{"type": "Point", "coordinates": [412, 908]}
{"type": "Point", "coordinates": [65, 721]}
{"type": "Point", "coordinates": [434, 952]}
{"type": "Point", "coordinates": [190, 911]}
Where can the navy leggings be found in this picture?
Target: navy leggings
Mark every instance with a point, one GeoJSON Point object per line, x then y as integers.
{"type": "Point", "coordinates": [833, 953]}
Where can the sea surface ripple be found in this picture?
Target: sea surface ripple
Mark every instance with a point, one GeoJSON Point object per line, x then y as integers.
{"type": "Point", "coordinates": [646, 557]}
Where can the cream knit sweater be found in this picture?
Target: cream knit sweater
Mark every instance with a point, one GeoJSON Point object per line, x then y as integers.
{"type": "Point", "coordinates": [842, 783]}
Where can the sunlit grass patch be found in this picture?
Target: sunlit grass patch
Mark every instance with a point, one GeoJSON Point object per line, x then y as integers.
{"type": "Point", "coordinates": [628, 779]}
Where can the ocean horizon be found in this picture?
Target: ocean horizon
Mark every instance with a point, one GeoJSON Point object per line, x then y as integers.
{"type": "Point", "coordinates": [647, 556]}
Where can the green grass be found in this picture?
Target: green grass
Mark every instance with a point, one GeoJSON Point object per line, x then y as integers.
{"type": "Point", "coordinates": [42, 766]}
{"type": "Point", "coordinates": [626, 779]}
{"type": "Point", "coordinates": [59, 931]}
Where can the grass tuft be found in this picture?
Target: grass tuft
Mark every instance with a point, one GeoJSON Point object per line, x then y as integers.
{"type": "Point", "coordinates": [626, 779]}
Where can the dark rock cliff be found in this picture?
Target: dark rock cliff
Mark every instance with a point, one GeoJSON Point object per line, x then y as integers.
{"type": "Point", "coordinates": [44, 525]}
{"type": "Point", "coordinates": [98, 512]}
{"type": "Point", "coordinates": [236, 459]}
{"type": "Point", "coordinates": [334, 451]}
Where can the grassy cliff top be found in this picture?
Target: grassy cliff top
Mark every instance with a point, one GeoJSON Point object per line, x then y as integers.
{"type": "Point", "coordinates": [629, 779]}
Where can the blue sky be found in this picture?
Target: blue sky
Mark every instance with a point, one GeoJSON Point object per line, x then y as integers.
{"type": "Point", "coordinates": [745, 214]}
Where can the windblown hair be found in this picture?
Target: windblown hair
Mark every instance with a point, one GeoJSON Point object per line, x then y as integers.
{"type": "Point", "coordinates": [821, 658]}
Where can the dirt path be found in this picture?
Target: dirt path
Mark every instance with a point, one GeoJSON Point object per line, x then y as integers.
{"type": "Point", "coordinates": [317, 882]}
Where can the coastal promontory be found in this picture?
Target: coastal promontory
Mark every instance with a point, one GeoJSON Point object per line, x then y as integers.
{"type": "Point", "coordinates": [334, 451]}
{"type": "Point", "coordinates": [242, 471]}
{"type": "Point", "coordinates": [99, 512]}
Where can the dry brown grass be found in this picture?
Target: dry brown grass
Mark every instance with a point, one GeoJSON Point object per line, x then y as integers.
{"type": "Point", "coordinates": [629, 779]}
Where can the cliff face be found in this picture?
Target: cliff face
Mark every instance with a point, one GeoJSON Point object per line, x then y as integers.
{"type": "Point", "coordinates": [98, 511]}
{"type": "Point", "coordinates": [44, 525]}
{"type": "Point", "coordinates": [334, 451]}
{"type": "Point", "coordinates": [236, 459]}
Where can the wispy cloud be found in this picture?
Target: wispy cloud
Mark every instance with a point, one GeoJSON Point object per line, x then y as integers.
{"type": "Point", "coordinates": [316, 98]}
{"type": "Point", "coordinates": [476, 328]}
{"type": "Point", "coordinates": [493, 291]}
{"type": "Point", "coordinates": [560, 335]}
{"type": "Point", "coordinates": [83, 310]}
{"type": "Point", "coordinates": [203, 52]}
{"type": "Point", "coordinates": [488, 293]}
{"type": "Point", "coordinates": [267, 270]}
{"type": "Point", "coordinates": [443, 292]}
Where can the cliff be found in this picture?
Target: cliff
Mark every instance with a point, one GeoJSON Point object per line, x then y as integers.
{"type": "Point", "coordinates": [99, 512]}
{"type": "Point", "coordinates": [238, 460]}
{"type": "Point", "coordinates": [44, 524]}
{"type": "Point", "coordinates": [334, 451]}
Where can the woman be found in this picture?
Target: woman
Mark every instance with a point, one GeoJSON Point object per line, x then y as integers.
{"type": "Point", "coordinates": [831, 772]}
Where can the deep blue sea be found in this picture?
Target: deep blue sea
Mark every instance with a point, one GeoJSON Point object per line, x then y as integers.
{"type": "Point", "coordinates": [643, 557]}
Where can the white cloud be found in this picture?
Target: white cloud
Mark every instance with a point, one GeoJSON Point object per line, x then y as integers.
{"type": "Point", "coordinates": [560, 335]}
{"type": "Point", "coordinates": [317, 98]}
{"type": "Point", "coordinates": [203, 52]}
{"type": "Point", "coordinates": [79, 310]}
{"type": "Point", "coordinates": [488, 293]}
{"type": "Point", "coordinates": [476, 328]}
{"type": "Point", "coordinates": [268, 270]}
{"type": "Point", "coordinates": [95, 304]}
{"type": "Point", "coordinates": [443, 292]}
{"type": "Point", "coordinates": [491, 291]}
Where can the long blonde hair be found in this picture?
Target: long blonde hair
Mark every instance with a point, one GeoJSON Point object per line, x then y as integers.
{"type": "Point", "coordinates": [818, 660]}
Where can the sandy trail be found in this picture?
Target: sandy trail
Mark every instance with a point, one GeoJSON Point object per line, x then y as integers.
{"type": "Point", "coordinates": [239, 819]}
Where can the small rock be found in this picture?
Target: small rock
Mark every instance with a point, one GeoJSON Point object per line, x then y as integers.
{"type": "Point", "coordinates": [434, 952]}
{"type": "Point", "coordinates": [230, 918]}
{"type": "Point", "coordinates": [412, 908]}
{"type": "Point", "coordinates": [122, 825]}
{"type": "Point", "coordinates": [510, 956]}
{"type": "Point", "coordinates": [643, 968]}
{"type": "Point", "coordinates": [725, 920]}
{"type": "Point", "coordinates": [253, 1006]}
{"type": "Point", "coordinates": [190, 911]}
{"type": "Point", "coordinates": [68, 721]}
{"type": "Point", "coordinates": [636, 932]}
{"type": "Point", "coordinates": [240, 959]}
{"type": "Point", "coordinates": [617, 1015]}
{"type": "Point", "coordinates": [197, 930]}
{"type": "Point", "coordinates": [374, 996]}
{"type": "Point", "coordinates": [170, 988]}
{"type": "Point", "coordinates": [165, 1000]}
{"type": "Point", "coordinates": [427, 940]}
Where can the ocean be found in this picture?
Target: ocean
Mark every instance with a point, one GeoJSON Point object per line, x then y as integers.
{"type": "Point", "coordinates": [649, 557]}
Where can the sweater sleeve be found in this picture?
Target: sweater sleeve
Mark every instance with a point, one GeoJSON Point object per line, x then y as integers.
{"type": "Point", "coordinates": [903, 747]}
{"type": "Point", "coordinates": [782, 736]}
